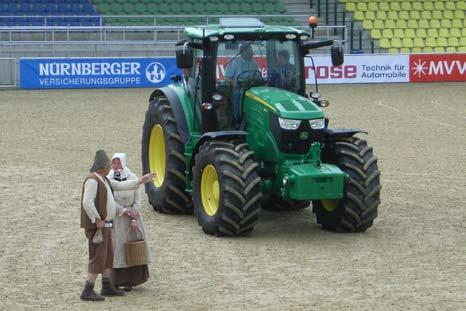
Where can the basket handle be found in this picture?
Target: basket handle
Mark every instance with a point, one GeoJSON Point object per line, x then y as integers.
{"type": "Point", "coordinates": [138, 229]}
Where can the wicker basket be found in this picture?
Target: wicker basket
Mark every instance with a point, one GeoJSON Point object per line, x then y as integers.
{"type": "Point", "coordinates": [136, 250]}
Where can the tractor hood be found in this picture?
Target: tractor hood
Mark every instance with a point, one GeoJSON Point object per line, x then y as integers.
{"type": "Point", "coordinates": [285, 104]}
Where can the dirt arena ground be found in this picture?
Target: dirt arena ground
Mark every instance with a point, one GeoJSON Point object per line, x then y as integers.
{"type": "Point", "coordinates": [413, 258]}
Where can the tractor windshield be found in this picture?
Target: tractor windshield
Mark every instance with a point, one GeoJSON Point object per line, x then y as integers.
{"type": "Point", "coordinates": [243, 64]}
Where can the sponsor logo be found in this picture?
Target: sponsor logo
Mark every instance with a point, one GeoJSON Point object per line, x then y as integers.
{"type": "Point", "coordinates": [155, 72]}
{"type": "Point", "coordinates": [332, 72]}
{"type": "Point", "coordinates": [437, 67]}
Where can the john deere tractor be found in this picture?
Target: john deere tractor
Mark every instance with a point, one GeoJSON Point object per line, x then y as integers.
{"type": "Point", "coordinates": [237, 132]}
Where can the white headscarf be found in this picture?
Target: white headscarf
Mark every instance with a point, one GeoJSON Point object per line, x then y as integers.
{"type": "Point", "coordinates": [124, 171]}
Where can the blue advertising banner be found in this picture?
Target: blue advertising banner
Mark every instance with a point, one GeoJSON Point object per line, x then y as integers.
{"type": "Point", "coordinates": [70, 73]}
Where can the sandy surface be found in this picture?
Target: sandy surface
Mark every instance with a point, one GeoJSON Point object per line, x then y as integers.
{"type": "Point", "coordinates": [413, 258]}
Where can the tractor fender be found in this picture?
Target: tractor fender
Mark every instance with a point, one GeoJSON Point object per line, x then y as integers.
{"type": "Point", "coordinates": [210, 136]}
{"type": "Point", "coordinates": [177, 109]}
{"type": "Point", "coordinates": [331, 133]}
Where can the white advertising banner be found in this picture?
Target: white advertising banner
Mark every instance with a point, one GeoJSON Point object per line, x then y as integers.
{"type": "Point", "coordinates": [358, 69]}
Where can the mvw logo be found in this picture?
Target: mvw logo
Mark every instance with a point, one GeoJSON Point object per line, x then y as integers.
{"type": "Point", "coordinates": [426, 68]}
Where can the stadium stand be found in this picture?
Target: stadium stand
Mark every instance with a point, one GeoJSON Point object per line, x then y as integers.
{"type": "Point", "coordinates": [413, 26]}
{"type": "Point", "coordinates": [192, 9]}
{"type": "Point", "coordinates": [61, 13]}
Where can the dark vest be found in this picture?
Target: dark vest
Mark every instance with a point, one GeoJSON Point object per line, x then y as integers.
{"type": "Point", "coordinates": [100, 203]}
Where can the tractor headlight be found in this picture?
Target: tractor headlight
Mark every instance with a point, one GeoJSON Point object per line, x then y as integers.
{"type": "Point", "coordinates": [317, 124]}
{"type": "Point", "coordinates": [289, 124]}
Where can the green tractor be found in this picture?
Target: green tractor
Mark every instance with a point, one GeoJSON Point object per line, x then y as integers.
{"type": "Point", "coordinates": [236, 132]}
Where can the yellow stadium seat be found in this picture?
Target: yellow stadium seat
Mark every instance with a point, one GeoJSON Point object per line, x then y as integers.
{"type": "Point", "coordinates": [424, 23]}
{"type": "Point", "coordinates": [398, 33]}
{"type": "Point", "coordinates": [418, 42]}
{"type": "Point", "coordinates": [457, 23]}
{"type": "Point", "coordinates": [431, 42]}
{"type": "Point", "coordinates": [438, 5]}
{"type": "Point", "coordinates": [408, 42]}
{"type": "Point", "coordinates": [359, 15]}
{"type": "Point", "coordinates": [404, 15]}
{"type": "Point", "coordinates": [361, 6]}
{"type": "Point", "coordinates": [461, 5]}
{"type": "Point", "coordinates": [421, 33]}
{"type": "Point", "coordinates": [416, 50]}
{"type": "Point", "coordinates": [459, 14]}
{"type": "Point", "coordinates": [463, 41]}
{"type": "Point", "coordinates": [428, 5]}
{"type": "Point", "coordinates": [463, 32]}
{"type": "Point", "coordinates": [445, 23]}
{"type": "Point", "coordinates": [379, 24]}
{"type": "Point", "coordinates": [392, 15]}
{"type": "Point", "coordinates": [426, 15]}
{"type": "Point", "coordinates": [381, 15]}
{"type": "Point", "coordinates": [405, 50]}
{"type": "Point", "coordinates": [437, 14]}
{"type": "Point", "coordinates": [384, 6]}
{"type": "Point", "coordinates": [351, 6]}
{"type": "Point", "coordinates": [395, 6]}
{"type": "Point", "coordinates": [406, 6]}
{"type": "Point", "coordinates": [393, 51]}
{"type": "Point", "coordinates": [414, 15]}
{"type": "Point", "coordinates": [455, 32]}
{"type": "Point", "coordinates": [453, 42]}
{"type": "Point", "coordinates": [451, 49]}
{"type": "Point", "coordinates": [450, 5]}
{"type": "Point", "coordinates": [432, 33]}
{"type": "Point", "coordinates": [462, 49]}
{"type": "Point", "coordinates": [375, 34]}
{"type": "Point", "coordinates": [443, 42]}
{"type": "Point", "coordinates": [443, 32]}
{"type": "Point", "coordinates": [435, 24]}
{"type": "Point", "coordinates": [384, 43]}
{"type": "Point", "coordinates": [417, 6]}
{"type": "Point", "coordinates": [412, 23]}
{"type": "Point", "coordinates": [409, 33]}
{"type": "Point", "coordinates": [372, 6]}
{"type": "Point", "coordinates": [370, 15]}
{"type": "Point", "coordinates": [401, 23]}
{"type": "Point", "coordinates": [427, 50]}
{"type": "Point", "coordinates": [387, 33]}
{"type": "Point", "coordinates": [390, 24]}
{"type": "Point", "coordinates": [439, 50]}
{"type": "Point", "coordinates": [367, 25]}
{"type": "Point", "coordinates": [449, 14]}
{"type": "Point", "coordinates": [396, 43]}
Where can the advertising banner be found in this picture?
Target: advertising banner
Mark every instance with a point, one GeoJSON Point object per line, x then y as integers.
{"type": "Point", "coordinates": [437, 67]}
{"type": "Point", "coordinates": [358, 69]}
{"type": "Point", "coordinates": [58, 73]}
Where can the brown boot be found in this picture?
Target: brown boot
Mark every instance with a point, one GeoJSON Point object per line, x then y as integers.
{"type": "Point", "coordinates": [109, 290]}
{"type": "Point", "coordinates": [89, 294]}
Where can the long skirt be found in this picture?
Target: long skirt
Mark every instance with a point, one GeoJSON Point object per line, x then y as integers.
{"type": "Point", "coordinates": [132, 276]}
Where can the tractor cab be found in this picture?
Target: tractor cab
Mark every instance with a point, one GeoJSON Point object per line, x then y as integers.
{"type": "Point", "coordinates": [224, 61]}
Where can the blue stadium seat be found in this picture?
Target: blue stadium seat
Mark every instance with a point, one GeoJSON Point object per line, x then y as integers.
{"type": "Point", "coordinates": [75, 9]}
{"type": "Point", "coordinates": [62, 8]}
{"type": "Point", "coordinates": [12, 8]}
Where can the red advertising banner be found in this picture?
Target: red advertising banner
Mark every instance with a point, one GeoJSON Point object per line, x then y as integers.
{"type": "Point", "coordinates": [437, 67]}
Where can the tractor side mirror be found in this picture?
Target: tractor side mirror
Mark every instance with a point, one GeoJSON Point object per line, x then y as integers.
{"type": "Point", "coordinates": [184, 57]}
{"type": "Point", "coordinates": [337, 54]}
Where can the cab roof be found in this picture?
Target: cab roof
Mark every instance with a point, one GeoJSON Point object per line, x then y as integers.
{"type": "Point", "coordinates": [239, 27]}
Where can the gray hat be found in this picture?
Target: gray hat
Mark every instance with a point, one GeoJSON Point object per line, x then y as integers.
{"type": "Point", "coordinates": [101, 161]}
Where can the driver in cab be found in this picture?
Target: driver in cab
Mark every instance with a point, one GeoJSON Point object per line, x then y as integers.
{"type": "Point", "coordinates": [243, 64]}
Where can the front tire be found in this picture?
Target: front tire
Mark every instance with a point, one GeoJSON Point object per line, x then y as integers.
{"type": "Point", "coordinates": [163, 153]}
{"type": "Point", "coordinates": [226, 188]}
{"type": "Point", "coordinates": [356, 211]}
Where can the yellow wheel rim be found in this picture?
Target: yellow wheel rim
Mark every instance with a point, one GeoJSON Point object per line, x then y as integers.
{"type": "Point", "coordinates": [329, 205]}
{"type": "Point", "coordinates": [210, 190]}
{"type": "Point", "coordinates": [157, 154]}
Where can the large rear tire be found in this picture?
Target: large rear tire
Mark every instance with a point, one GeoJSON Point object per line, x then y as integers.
{"type": "Point", "coordinates": [226, 188]}
{"type": "Point", "coordinates": [163, 154]}
{"type": "Point", "coordinates": [276, 204]}
{"type": "Point", "coordinates": [356, 211]}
